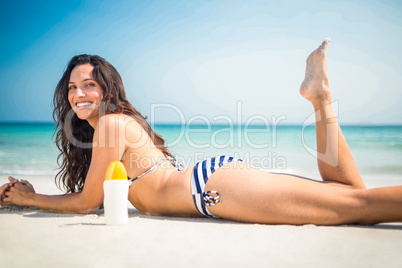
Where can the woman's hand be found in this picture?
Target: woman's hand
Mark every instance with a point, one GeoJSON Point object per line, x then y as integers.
{"type": "Point", "coordinates": [5, 187]}
{"type": "Point", "coordinates": [16, 192]}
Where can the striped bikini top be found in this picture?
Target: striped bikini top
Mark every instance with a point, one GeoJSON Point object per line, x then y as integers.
{"type": "Point", "coordinates": [168, 158]}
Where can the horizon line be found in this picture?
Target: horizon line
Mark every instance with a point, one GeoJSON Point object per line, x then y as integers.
{"type": "Point", "coordinates": [15, 122]}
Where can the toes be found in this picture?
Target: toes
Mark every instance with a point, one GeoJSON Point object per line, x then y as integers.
{"type": "Point", "coordinates": [323, 47]}
{"type": "Point", "coordinates": [326, 41]}
{"type": "Point", "coordinates": [319, 53]}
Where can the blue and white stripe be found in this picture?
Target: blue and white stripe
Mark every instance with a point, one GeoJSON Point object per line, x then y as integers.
{"type": "Point", "coordinates": [201, 173]}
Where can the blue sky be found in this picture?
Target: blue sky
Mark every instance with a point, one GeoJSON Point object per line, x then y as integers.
{"type": "Point", "coordinates": [188, 59]}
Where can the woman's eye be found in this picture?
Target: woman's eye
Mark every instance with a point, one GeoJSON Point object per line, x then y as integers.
{"type": "Point", "coordinates": [71, 87]}
{"type": "Point", "coordinates": [90, 85]}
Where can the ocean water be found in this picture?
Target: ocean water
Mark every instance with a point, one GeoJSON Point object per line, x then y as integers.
{"type": "Point", "coordinates": [28, 149]}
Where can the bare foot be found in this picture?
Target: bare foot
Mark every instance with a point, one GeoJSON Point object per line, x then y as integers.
{"type": "Point", "coordinates": [315, 86]}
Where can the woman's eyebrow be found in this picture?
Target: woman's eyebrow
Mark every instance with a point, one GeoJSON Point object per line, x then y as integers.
{"type": "Point", "coordinates": [71, 82]}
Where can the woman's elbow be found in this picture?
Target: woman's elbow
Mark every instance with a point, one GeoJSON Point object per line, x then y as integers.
{"type": "Point", "coordinates": [88, 210]}
{"type": "Point", "coordinates": [89, 207]}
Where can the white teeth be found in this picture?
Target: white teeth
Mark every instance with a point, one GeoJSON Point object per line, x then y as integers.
{"type": "Point", "coordinates": [82, 104]}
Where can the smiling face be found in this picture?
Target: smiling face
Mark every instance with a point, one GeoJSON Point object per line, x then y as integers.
{"type": "Point", "coordinates": [85, 94]}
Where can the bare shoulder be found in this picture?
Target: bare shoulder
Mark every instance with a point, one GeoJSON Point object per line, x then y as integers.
{"type": "Point", "coordinates": [120, 126]}
{"type": "Point", "coordinates": [118, 121]}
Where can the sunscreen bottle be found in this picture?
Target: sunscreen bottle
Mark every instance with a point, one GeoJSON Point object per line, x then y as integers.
{"type": "Point", "coordinates": [115, 188]}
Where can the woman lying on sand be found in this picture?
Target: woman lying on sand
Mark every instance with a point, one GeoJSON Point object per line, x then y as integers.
{"type": "Point", "coordinates": [219, 187]}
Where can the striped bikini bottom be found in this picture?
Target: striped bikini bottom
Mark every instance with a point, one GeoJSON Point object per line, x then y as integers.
{"type": "Point", "coordinates": [201, 173]}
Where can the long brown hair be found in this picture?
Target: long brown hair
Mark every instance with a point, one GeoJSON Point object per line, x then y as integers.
{"type": "Point", "coordinates": [75, 157]}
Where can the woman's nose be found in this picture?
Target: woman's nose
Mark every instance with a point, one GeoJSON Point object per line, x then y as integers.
{"type": "Point", "coordinates": [80, 92]}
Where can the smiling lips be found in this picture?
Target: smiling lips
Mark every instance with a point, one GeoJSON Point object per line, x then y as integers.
{"type": "Point", "coordinates": [85, 104]}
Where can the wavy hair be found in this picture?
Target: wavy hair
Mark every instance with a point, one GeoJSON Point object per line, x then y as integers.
{"type": "Point", "coordinates": [74, 160]}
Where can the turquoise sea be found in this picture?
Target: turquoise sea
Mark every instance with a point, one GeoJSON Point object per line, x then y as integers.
{"type": "Point", "coordinates": [27, 149]}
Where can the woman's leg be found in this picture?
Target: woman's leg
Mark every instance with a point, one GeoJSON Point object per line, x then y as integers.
{"type": "Point", "coordinates": [335, 161]}
{"type": "Point", "coordinates": [252, 195]}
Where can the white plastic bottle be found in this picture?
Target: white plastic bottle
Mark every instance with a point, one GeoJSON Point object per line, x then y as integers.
{"type": "Point", "coordinates": [115, 189]}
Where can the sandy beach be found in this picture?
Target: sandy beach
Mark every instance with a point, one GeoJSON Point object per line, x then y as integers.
{"type": "Point", "coordinates": [37, 238]}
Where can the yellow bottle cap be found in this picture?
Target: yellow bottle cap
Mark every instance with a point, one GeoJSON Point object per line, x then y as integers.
{"type": "Point", "coordinates": [116, 171]}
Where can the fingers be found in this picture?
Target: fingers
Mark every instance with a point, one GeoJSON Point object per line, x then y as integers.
{"type": "Point", "coordinates": [9, 196]}
{"type": "Point", "coordinates": [6, 189]}
{"type": "Point", "coordinates": [5, 194]}
{"type": "Point", "coordinates": [7, 199]}
{"type": "Point", "coordinates": [3, 189]}
{"type": "Point", "coordinates": [12, 180]}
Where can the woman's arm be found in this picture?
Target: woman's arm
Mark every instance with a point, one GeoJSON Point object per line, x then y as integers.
{"type": "Point", "coordinates": [22, 193]}
{"type": "Point", "coordinates": [107, 147]}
